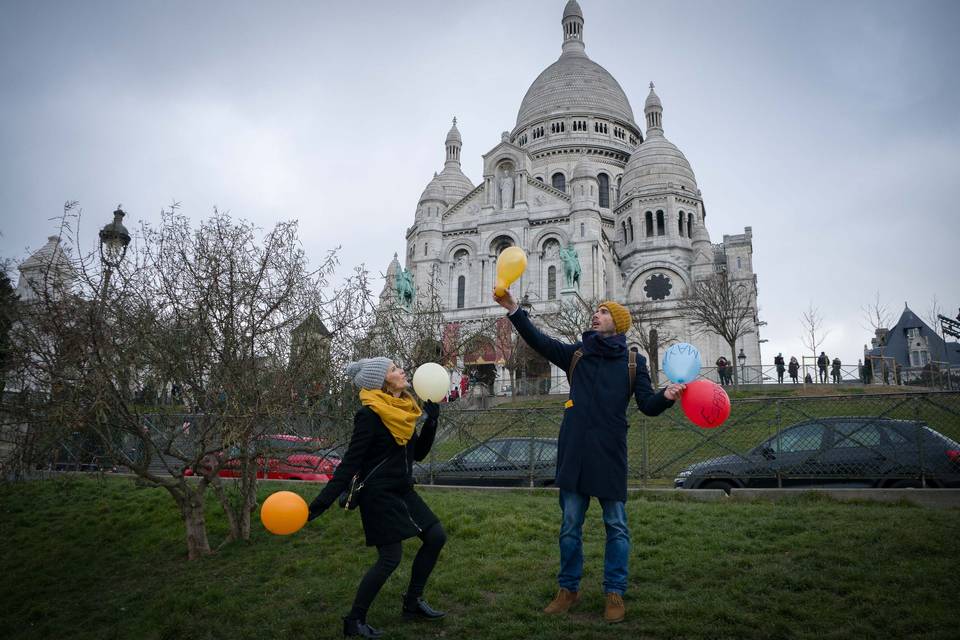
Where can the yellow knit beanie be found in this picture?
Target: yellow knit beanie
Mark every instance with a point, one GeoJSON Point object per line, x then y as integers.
{"type": "Point", "coordinates": [621, 317]}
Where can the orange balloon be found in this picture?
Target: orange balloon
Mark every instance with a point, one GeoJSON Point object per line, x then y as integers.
{"type": "Point", "coordinates": [283, 513]}
{"type": "Point", "coordinates": [510, 265]}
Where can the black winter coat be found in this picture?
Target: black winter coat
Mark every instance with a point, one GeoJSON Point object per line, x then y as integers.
{"type": "Point", "coordinates": [592, 446]}
{"type": "Point", "coordinates": [390, 509]}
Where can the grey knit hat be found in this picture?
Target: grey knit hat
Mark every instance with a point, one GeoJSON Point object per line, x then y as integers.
{"type": "Point", "coordinates": [368, 373]}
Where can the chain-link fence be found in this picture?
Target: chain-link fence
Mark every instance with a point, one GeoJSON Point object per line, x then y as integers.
{"type": "Point", "coordinates": [879, 440]}
{"type": "Point", "coordinates": [885, 440]}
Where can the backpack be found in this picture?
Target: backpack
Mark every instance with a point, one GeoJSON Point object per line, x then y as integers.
{"type": "Point", "coordinates": [631, 368]}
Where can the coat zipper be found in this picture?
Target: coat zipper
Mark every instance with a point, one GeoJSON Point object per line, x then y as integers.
{"type": "Point", "coordinates": [409, 516]}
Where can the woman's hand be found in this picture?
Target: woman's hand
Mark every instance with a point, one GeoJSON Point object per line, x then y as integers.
{"type": "Point", "coordinates": [432, 409]}
{"type": "Point", "coordinates": [674, 391]}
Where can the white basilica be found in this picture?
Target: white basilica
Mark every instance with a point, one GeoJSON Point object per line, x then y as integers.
{"type": "Point", "coordinates": [602, 208]}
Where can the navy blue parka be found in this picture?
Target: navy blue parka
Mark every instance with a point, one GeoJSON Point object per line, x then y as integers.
{"type": "Point", "coordinates": [592, 447]}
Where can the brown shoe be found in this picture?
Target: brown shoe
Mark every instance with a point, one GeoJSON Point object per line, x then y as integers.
{"type": "Point", "coordinates": [615, 611]}
{"type": "Point", "coordinates": [563, 601]}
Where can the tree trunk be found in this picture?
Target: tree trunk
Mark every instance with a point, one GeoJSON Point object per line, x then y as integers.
{"type": "Point", "coordinates": [734, 363]}
{"type": "Point", "coordinates": [654, 353]}
{"type": "Point", "coordinates": [191, 505]}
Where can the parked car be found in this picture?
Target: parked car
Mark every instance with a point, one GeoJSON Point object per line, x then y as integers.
{"type": "Point", "coordinates": [308, 459]}
{"type": "Point", "coordinates": [498, 462]}
{"type": "Point", "coordinates": [836, 452]}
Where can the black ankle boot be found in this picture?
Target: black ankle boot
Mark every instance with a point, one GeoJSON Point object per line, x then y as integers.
{"type": "Point", "coordinates": [417, 609]}
{"type": "Point", "coordinates": [360, 629]}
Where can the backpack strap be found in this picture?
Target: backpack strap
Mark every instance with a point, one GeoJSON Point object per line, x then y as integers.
{"type": "Point", "coordinates": [573, 365]}
{"type": "Point", "coordinates": [631, 367]}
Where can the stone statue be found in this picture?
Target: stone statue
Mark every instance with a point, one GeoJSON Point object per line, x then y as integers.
{"type": "Point", "coordinates": [404, 287]}
{"type": "Point", "coordinates": [506, 190]}
{"type": "Point", "coordinates": [571, 266]}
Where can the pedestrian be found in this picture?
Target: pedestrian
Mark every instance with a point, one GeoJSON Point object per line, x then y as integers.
{"type": "Point", "coordinates": [778, 362]}
{"type": "Point", "coordinates": [794, 369]}
{"type": "Point", "coordinates": [592, 445]}
{"type": "Point", "coordinates": [382, 450]}
{"type": "Point", "coordinates": [835, 370]}
{"type": "Point", "coordinates": [867, 371]}
{"type": "Point", "coordinates": [722, 370]}
{"type": "Point", "coordinates": [822, 363]}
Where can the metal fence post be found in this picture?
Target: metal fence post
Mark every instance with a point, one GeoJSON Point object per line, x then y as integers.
{"type": "Point", "coordinates": [644, 452]}
{"type": "Point", "coordinates": [779, 431]}
{"type": "Point", "coordinates": [923, 467]}
{"type": "Point", "coordinates": [530, 450]}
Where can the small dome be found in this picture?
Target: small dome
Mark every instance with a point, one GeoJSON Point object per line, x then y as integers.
{"type": "Point", "coordinates": [454, 134]}
{"type": "Point", "coordinates": [572, 10]}
{"type": "Point", "coordinates": [656, 163]}
{"type": "Point", "coordinates": [585, 169]}
{"type": "Point", "coordinates": [653, 100]}
{"type": "Point", "coordinates": [434, 191]}
{"type": "Point", "coordinates": [454, 184]}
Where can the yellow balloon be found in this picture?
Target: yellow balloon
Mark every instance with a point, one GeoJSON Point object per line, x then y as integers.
{"type": "Point", "coordinates": [283, 513]}
{"type": "Point", "coordinates": [431, 381]}
{"type": "Point", "coordinates": [510, 266]}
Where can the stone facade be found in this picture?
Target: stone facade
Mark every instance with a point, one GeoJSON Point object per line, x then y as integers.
{"type": "Point", "coordinates": [575, 172]}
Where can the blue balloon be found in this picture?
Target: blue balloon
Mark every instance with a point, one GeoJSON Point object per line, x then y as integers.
{"type": "Point", "coordinates": [681, 363]}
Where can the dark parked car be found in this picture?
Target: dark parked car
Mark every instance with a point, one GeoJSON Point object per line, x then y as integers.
{"type": "Point", "coordinates": [498, 462]}
{"type": "Point", "coordinates": [836, 452]}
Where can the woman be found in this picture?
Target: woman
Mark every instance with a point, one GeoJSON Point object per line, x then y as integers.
{"type": "Point", "coordinates": [384, 434]}
{"type": "Point", "coordinates": [793, 368]}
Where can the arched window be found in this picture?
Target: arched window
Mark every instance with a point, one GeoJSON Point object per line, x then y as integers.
{"type": "Point", "coordinates": [552, 283]}
{"type": "Point", "coordinates": [739, 264]}
{"type": "Point", "coordinates": [604, 181]}
{"type": "Point", "coordinates": [689, 225]}
{"type": "Point", "coordinates": [626, 238]}
{"type": "Point", "coordinates": [461, 291]}
{"type": "Point", "coordinates": [540, 178]}
{"type": "Point", "coordinates": [582, 230]}
{"type": "Point", "coordinates": [660, 228]}
{"type": "Point", "coordinates": [559, 182]}
{"type": "Point", "coordinates": [649, 221]}
{"type": "Point", "coordinates": [425, 245]}
{"type": "Point", "coordinates": [680, 218]}
{"type": "Point", "coordinates": [630, 228]}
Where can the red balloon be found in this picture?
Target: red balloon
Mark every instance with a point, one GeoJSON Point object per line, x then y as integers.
{"type": "Point", "coordinates": [705, 403]}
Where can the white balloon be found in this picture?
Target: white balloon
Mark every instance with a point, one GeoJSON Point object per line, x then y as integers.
{"type": "Point", "coordinates": [431, 381]}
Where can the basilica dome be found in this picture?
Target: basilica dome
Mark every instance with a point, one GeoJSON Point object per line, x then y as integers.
{"type": "Point", "coordinates": [657, 162]}
{"type": "Point", "coordinates": [574, 84]}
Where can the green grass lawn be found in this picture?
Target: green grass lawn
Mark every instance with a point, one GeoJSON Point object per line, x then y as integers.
{"type": "Point", "coordinates": [84, 558]}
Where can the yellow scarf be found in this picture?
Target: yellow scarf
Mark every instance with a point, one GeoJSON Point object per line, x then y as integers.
{"type": "Point", "coordinates": [399, 415]}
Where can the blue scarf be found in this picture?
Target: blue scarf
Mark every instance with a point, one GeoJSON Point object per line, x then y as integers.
{"type": "Point", "coordinates": [604, 346]}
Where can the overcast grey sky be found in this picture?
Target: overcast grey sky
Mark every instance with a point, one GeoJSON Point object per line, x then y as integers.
{"type": "Point", "coordinates": [831, 128]}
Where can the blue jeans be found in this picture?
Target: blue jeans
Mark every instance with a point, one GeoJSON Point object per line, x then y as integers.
{"type": "Point", "coordinates": [574, 505]}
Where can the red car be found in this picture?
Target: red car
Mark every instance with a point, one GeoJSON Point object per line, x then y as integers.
{"type": "Point", "coordinates": [305, 462]}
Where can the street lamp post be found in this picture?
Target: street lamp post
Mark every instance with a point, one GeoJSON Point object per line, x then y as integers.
{"type": "Point", "coordinates": [114, 239]}
{"type": "Point", "coordinates": [742, 357]}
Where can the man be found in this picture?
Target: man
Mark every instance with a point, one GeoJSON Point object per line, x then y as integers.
{"type": "Point", "coordinates": [781, 366]}
{"type": "Point", "coordinates": [822, 363]}
{"type": "Point", "coordinates": [835, 371]}
{"type": "Point", "coordinates": [592, 446]}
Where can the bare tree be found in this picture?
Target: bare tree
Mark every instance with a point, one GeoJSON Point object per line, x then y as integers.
{"type": "Point", "coordinates": [877, 318]}
{"type": "Point", "coordinates": [723, 306]}
{"type": "Point", "coordinates": [813, 334]}
{"type": "Point", "coordinates": [652, 333]}
{"type": "Point", "coordinates": [571, 318]}
{"type": "Point", "coordinates": [209, 310]}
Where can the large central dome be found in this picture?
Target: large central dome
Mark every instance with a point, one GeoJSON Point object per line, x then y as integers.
{"type": "Point", "coordinates": [574, 84]}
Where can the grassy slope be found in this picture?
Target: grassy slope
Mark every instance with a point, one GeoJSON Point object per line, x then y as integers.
{"type": "Point", "coordinates": [89, 559]}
